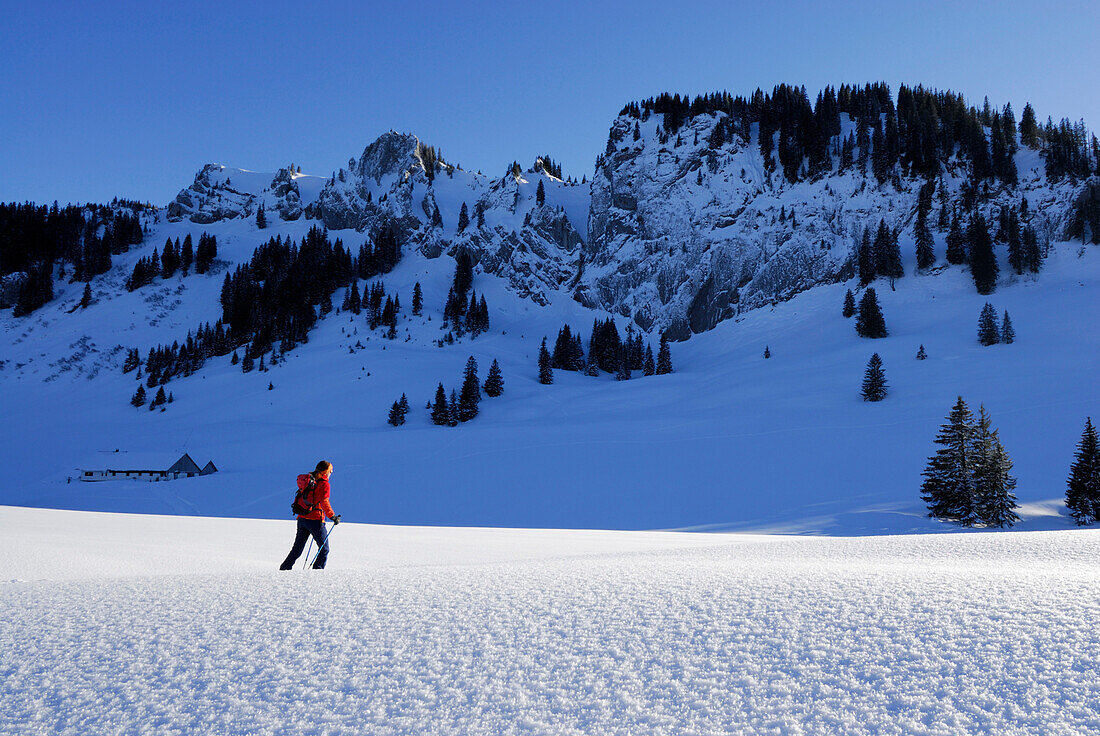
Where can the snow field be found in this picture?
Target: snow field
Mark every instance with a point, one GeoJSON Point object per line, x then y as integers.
{"type": "Point", "coordinates": [475, 631]}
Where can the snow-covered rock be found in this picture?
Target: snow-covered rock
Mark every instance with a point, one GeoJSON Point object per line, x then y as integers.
{"type": "Point", "coordinates": [224, 193]}
{"type": "Point", "coordinates": [683, 234]}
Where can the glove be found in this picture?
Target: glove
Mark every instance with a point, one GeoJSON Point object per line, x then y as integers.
{"type": "Point", "coordinates": [336, 520]}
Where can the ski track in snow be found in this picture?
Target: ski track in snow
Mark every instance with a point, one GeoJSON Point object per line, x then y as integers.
{"type": "Point", "coordinates": [126, 624]}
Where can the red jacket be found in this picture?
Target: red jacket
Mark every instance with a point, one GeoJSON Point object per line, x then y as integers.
{"type": "Point", "coordinates": [319, 498]}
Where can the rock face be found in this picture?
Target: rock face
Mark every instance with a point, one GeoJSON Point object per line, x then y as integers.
{"type": "Point", "coordinates": [683, 234]}
{"type": "Point", "coordinates": [223, 193]}
{"type": "Point", "coordinates": [673, 232]}
{"type": "Point", "coordinates": [537, 248]}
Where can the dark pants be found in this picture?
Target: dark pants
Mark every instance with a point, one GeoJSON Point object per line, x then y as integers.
{"type": "Point", "coordinates": [306, 527]}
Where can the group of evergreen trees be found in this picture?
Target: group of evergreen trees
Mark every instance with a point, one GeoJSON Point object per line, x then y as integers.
{"type": "Point", "coordinates": [175, 257]}
{"type": "Point", "coordinates": [398, 411]}
{"type": "Point", "coordinates": [607, 351]}
{"type": "Point", "coordinates": [161, 399]}
{"type": "Point", "coordinates": [880, 257]}
{"type": "Point", "coordinates": [990, 332]}
{"type": "Point", "coordinates": [379, 254]}
{"type": "Point", "coordinates": [869, 319]}
{"type": "Point", "coordinates": [463, 405]}
{"type": "Point", "coordinates": [968, 480]}
{"type": "Point", "coordinates": [273, 300]}
{"type": "Point", "coordinates": [463, 315]}
{"type": "Point", "coordinates": [379, 313]}
{"type": "Point", "coordinates": [34, 240]}
{"type": "Point", "coordinates": [918, 137]}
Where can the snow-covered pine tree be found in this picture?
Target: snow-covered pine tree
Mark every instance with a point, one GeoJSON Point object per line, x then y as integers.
{"type": "Point", "coordinates": [1008, 333]}
{"type": "Point", "coordinates": [1083, 485]}
{"type": "Point", "coordinates": [869, 321]}
{"type": "Point", "coordinates": [470, 396]}
{"type": "Point", "coordinates": [849, 304]}
{"type": "Point", "coordinates": [874, 380]}
{"type": "Point", "coordinates": [494, 382]}
{"type": "Point", "coordinates": [994, 503]}
{"type": "Point", "coordinates": [440, 410]}
{"type": "Point", "coordinates": [948, 486]}
{"type": "Point", "coordinates": [989, 332]}
{"type": "Point", "coordinates": [546, 369]}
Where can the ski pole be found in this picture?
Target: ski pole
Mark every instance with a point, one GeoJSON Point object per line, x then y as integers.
{"type": "Point", "coordinates": [328, 530]}
{"type": "Point", "coordinates": [305, 562]}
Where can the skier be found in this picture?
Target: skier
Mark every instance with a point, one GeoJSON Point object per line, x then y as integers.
{"type": "Point", "coordinates": [313, 523]}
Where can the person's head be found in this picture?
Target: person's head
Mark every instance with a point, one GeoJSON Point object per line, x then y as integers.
{"type": "Point", "coordinates": [323, 470]}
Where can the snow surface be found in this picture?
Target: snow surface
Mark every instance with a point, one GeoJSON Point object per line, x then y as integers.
{"type": "Point", "coordinates": [122, 623]}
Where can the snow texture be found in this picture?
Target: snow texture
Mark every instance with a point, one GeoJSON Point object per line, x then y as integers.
{"type": "Point", "coordinates": [135, 624]}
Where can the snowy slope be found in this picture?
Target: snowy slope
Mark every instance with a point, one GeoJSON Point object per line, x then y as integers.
{"type": "Point", "coordinates": [135, 624]}
{"type": "Point", "coordinates": [729, 441]}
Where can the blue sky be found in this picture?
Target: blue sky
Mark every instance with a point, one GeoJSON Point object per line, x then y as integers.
{"type": "Point", "coordinates": [132, 98]}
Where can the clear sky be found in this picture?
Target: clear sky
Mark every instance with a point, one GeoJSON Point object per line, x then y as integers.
{"type": "Point", "coordinates": [132, 98]}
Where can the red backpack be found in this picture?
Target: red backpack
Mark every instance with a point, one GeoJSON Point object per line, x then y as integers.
{"type": "Point", "coordinates": [304, 503]}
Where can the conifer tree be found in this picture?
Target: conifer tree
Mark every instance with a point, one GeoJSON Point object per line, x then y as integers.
{"type": "Point", "coordinates": [86, 298]}
{"type": "Point", "coordinates": [874, 380]}
{"type": "Point", "coordinates": [664, 357]}
{"type": "Point", "coordinates": [452, 410]}
{"type": "Point", "coordinates": [649, 368]}
{"type": "Point", "coordinates": [988, 331]}
{"type": "Point", "coordinates": [440, 410]}
{"type": "Point", "coordinates": [1029, 127]}
{"type": "Point", "coordinates": [1016, 258]}
{"type": "Point", "coordinates": [494, 382]}
{"type": "Point", "coordinates": [261, 218]}
{"type": "Point", "coordinates": [403, 402]}
{"type": "Point", "coordinates": [463, 218]}
{"type": "Point", "coordinates": [540, 195]}
{"type": "Point", "coordinates": [623, 373]}
{"type": "Point", "coordinates": [993, 484]}
{"type": "Point", "coordinates": [869, 321]}
{"type": "Point", "coordinates": [1008, 334]}
{"type": "Point", "coordinates": [921, 355]}
{"type": "Point", "coordinates": [926, 254]}
{"type": "Point", "coordinates": [160, 398]}
{"type": "Point", "coordinates": [849, 304]}
{"type": "Point", "coordinates": [187, 255]}
{"type": "Point", "coordinates": [1083, 485]}
{"type": "Point", "coordinates": [247, 364]}
{"type": "Point", "coordinates": [396, 417]}
{"type": "Point", "coordinates": [470, 396]}
{"type": "Point", "coordinates": [983, 264]}
{"type": "Point", "coordinates": [956, 242]}
{"type": "Point", "coordinates": [948, 486]}
{"type": "Point", "coordinates": [418, 299]}
{"type": "Point", "coordinates": [138, 398]}
{"type": "Point", "coordinates": [767, 352]}
{"type": "Point", "coordinates": [865, 259]}
{"type": "Point", "coordinates": [546, 370]}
